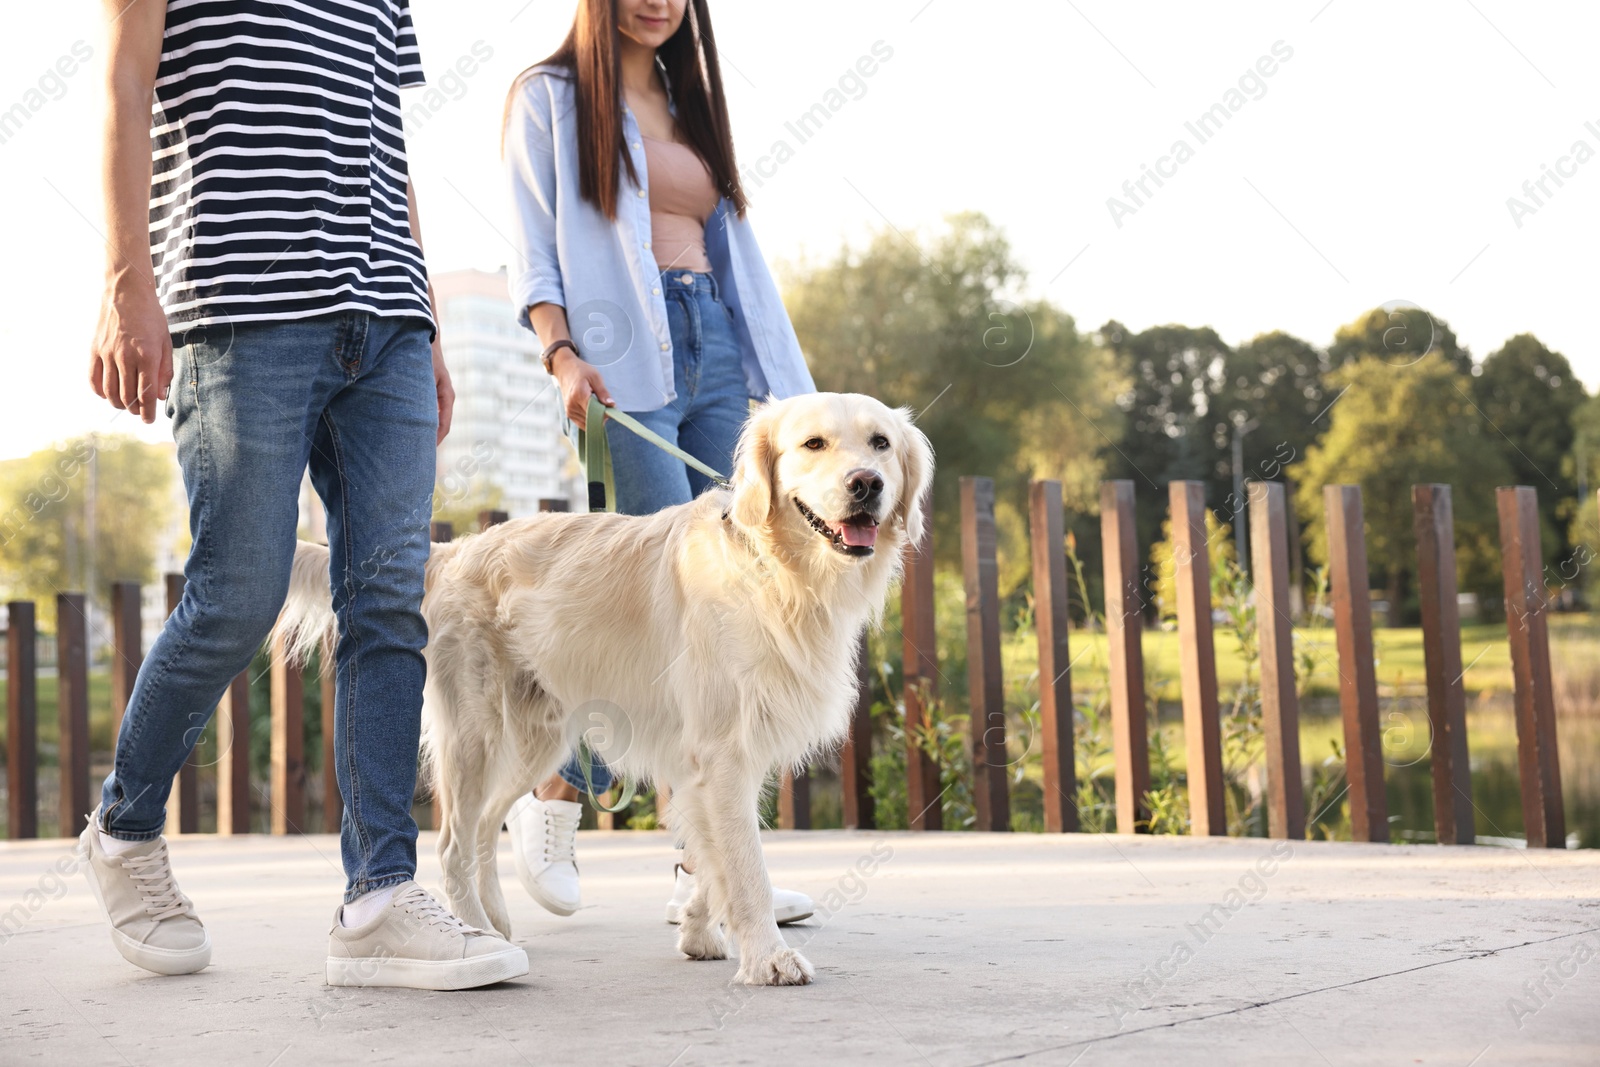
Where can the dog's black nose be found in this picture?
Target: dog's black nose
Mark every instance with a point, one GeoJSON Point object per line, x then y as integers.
{"type": "Point", "coordinates": [864, 485]}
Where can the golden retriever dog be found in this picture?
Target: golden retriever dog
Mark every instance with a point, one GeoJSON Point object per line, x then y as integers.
{"type": "Point", "coordinates": [700, 647]}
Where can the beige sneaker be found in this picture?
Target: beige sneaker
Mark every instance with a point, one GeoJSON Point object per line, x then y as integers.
{"type": "Point", "coordinates": [415, 942]}
{"type": "Point", "coordinates": [153, 925]}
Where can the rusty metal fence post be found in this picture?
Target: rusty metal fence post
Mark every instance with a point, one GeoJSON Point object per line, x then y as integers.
{"type": "Point", "coordinates": [1280, 703]}
{"type": "Point", "coordinates": [1441, 649]}
{"type": "Point", "coordinates": [794, 800]}
{"type": "Point", "coordinates": [327, 691]}
{"type": "Point", "coordinates": [1539, 765]}
{"type": "Point", "coordinates": [855, 756]}
{"type": "Point", "coordinates": [985, 684]}
{"type": "Point", "coordinates": [288, 744]}
{"type": "Point", "coordinates": [22, 721]}
{"type": "Point", "coordinates": [72, 710]}
{"type": "Point", "coordinates": [183, 806]}
{"type": "Point", "coordinates": [1358, 679]}
{"type": "Point", "coordinates": [1124, 637]}
{"type": "Point", "coordinates": [1046, 526]}
{"type": "Point", "coordinates": [233, 757]}
{"type": "Point", "coordinates": [921, 668]}
{"type": "Point", "coordinates": [127, 651]}
{"type": "Point", "coordinates": [1197, 660]}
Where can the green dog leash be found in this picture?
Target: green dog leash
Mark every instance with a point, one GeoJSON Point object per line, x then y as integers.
{"type": "Point", "coordinates": [596, 456]}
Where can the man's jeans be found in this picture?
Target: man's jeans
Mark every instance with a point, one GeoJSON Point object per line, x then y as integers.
{"type": "Point", "coordinates": [253, 404]}
{"type": "Point", "coordinates": [712, 405]}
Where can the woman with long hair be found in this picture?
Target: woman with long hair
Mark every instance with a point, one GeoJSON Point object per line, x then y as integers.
{"type": "Point", "coordinates": [643, 280]}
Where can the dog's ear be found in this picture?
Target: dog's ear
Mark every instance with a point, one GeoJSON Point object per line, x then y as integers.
{"type": "Point", "coordinates": [916, 474]}
{"type": "Point", "coordinates": [754, 470]}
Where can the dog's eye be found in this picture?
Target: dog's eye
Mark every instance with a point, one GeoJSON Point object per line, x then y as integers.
{"type": "Point", "coordinates": [878, 442]}
{"type": "Point", "coordinates": [816, 444]}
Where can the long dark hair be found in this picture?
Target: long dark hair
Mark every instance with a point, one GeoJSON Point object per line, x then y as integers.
{"type": "Point", "coordinates": [589, 56]}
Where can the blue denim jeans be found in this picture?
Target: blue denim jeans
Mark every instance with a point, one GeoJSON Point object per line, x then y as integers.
{"type": "Point", "coordinates": [711, 408]}
{"type": "Point", "coordinates": [253, 404]}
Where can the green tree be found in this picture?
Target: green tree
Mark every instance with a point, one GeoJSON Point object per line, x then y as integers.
{"type": "Point", "coordinates": [1271, 393]}
{"type": "Point", "coordinates": [1173, 375]}
{"type": "Point", "coordinates": [1583, 532]}
{"type": "Point", "coordinates": [92, 506]}
{"type": "Point", "coordinates": [1530, 397]}
{"type": "Point", "coordinates": [1391, 428]}
{"type": "Point", "coordinates": [1273, 385]}
{"type": "Point", "coordinates": [1004, 387]}
{"type": "Point", "coordinates": [1398, 334]}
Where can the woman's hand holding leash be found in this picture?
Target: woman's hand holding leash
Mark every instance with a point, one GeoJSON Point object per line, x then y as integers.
{"type": "Point", "coordinates": [578, 380]}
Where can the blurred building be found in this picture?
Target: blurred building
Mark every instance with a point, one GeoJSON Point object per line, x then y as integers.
{"type": "Point", "coordinates": [506, 432]}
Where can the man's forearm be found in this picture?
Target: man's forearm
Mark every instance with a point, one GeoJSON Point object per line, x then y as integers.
{"type": "Point", "coordinates": [134, 54]}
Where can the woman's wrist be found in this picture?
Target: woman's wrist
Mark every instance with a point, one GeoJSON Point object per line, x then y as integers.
{"type": "Point", "coordinates": [557, 353]}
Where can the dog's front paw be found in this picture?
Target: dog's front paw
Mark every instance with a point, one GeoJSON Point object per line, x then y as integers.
{"type": "Point", "coordinates": [499, 924]}
{"type": "Point", "coordinates": [702, 941]}
{"type": "Point", "coordinates": [784, 967]}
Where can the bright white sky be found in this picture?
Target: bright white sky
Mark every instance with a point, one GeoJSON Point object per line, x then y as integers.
{"type": "Point", "coordinates": [1376, 167]}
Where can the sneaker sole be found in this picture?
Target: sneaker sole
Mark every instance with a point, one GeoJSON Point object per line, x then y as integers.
{"type": "Point", "coordinates": [168, 961]}
{"type": "Point", "coordinates": [468, 973]}
{"type": "Point", "coordinates": [782, 918]}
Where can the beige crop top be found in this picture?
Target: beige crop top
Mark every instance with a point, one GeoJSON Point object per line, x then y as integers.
{"type": "Point", "coordinates": [682, 198]}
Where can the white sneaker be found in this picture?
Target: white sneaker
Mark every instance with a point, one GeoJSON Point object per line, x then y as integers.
{"type": "Point", "coordinates": [416, 943]}
{"type": "Point", "coordinates": [788, 906]}
{"type": "Point", "coordinates": [544, 834]}
{"type": "Point", "coordinates": [153, 924]}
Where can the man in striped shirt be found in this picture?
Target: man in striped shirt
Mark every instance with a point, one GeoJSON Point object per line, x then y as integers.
{"type": "Point", "coordinates": [265, 282]}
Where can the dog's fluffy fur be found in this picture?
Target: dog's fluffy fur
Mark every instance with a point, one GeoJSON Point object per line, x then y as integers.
{"type": "Point", "coordinates": [699, 647]}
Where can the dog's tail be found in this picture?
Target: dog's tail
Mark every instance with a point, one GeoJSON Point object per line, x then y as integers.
{"type": "Point", "coordinates": [307, 622]}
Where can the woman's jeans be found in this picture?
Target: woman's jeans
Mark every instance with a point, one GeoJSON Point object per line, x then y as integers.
{"type": "Point", "coordinates": [352, 396]}
{"type": "Point", "coordinates": [711, 407]}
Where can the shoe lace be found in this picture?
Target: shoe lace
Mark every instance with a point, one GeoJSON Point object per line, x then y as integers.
{"type": "Point", "coordinates": [152, 877]}
{"type": "Point", "coordinates": [421, 904]}
{"type": "Point", "coordinates": [560, 836]}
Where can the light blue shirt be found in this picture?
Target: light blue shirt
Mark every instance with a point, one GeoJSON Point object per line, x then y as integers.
{"type": "Point", "coordinates": [603, 272]}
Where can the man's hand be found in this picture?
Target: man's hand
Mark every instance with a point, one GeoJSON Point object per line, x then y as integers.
{"type": "Point", "coordinates": [578, 380]}
{"type": "Point", "coordinates": [445, 390]}
{"type": "Point", "coordinates": [131, 358]}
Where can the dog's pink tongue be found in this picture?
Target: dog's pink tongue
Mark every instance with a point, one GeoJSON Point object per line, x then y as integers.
{"type": "Point", "coordinates": [863, 535]}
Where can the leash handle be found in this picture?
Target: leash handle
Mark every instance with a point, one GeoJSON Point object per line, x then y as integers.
{"type": "Point", "coordinates": [596, 453]}
{"type": "Point", "coordinates": [596, 456]}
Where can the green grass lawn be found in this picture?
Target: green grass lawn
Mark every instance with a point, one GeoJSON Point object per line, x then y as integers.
{"type": "Point", "coordinates": [50, 720]}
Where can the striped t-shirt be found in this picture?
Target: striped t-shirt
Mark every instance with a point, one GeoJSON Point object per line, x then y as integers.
{"type": "Point", "coordinates": [279, 182]}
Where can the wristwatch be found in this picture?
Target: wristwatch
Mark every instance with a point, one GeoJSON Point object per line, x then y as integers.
{"type": "Point", "coordinates": [549, 354]}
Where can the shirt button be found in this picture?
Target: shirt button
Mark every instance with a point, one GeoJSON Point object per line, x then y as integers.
{"type": "Point", "coordinates": [647, 244]}
{"type": "Point", "coordinates": [665, 346]}
{"type": "Point", "coordinates": [640, 192]}
{"type": "Point", "coordinates": [655, 292]}
{"type": "Point", "coordinates": [637, 145]}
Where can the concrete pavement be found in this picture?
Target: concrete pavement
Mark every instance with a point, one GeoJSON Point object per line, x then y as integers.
{"type": "Point", "coordinates": [941, 949]}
